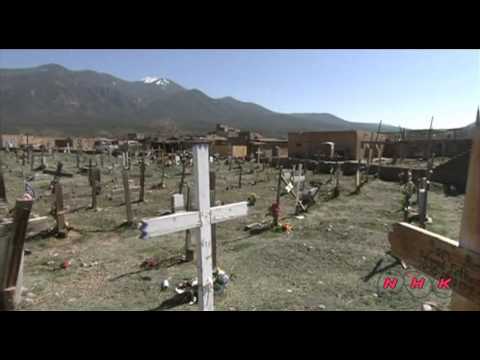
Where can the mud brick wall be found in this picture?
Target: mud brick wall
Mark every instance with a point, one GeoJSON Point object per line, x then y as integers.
{"type": "Point", "coordinates": [308, 144]}
{"type": "Point", "coordinates": [453, 172]}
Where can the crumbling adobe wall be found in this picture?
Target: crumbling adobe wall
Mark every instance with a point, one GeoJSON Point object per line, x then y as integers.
{"type": "Point", "coordinates": [453, 172]}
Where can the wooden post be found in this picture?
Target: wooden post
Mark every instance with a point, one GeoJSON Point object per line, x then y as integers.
{"type": "Point", "coordinates": [240, 177]}
{"type": "Point", "coordinates": [43, 162]}
{"type": "Point", "coordinates": [189, 253]}
{"type": "Point", "coordinates": [357, 175]}
{"type": "Point", "coordinates": [90, 171]}
{"type": "Point", "coordinates": [214, 226]}
{"type": "Point", "coordinates": [182, 180]}
{"type": "Point", "coordinates": [336, 189]}
{"type": "Point", "coordinates": [141, 197]}
{"type": "Point", "coordinates": [11, 258]}
{"type": "Point", "coordinates": [162, 183]}
{"type": "Point", "coordinates": [422, 203]}
{"type": "Point", "coordinates": [93, 184]}
{"type": "Point", "coordinates": [59, 210]}
{"type": "Point", "coordinates": [203, 235]}
{"type": "Point", "coordinates": [277, 200]}
{"type": "Point", "coordinates": [297, 174]}
{"type": "Point", "coordinates": [128, 204]}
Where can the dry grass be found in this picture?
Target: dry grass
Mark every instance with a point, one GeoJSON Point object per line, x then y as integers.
{"type": "Point", "coordinates": [321, 264]}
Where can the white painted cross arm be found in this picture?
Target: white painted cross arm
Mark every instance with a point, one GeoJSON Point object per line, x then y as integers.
{"type": "Point", "coordinates": [191, 219]}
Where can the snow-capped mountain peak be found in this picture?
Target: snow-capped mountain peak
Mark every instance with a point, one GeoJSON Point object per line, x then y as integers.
{"type": "Point", "coordinates": [155, 80]}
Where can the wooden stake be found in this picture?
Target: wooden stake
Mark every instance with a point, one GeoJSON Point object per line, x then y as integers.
{"type": "Point", "coordinates": [94, 192]}
{"type": "Point", "coordinates": [240, 177]}
{"type": "Point", "coordinates": [182, 180]}
{"type": "Point", "coordinates": [277, 200]}
{"type": "Point", "coordinates": [128, 204]}
{"type": "Point", "coordinates": [214, 226]}
{"type": "Point", "coordinates": [141, 197]}
{"type": "Point", "coordinates": [189, 253]}
{"type": "Point", "coordinates": [59, 210]}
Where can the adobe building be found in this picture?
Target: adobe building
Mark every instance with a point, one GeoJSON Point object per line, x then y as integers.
{"type": "Point", "coordinates": [221, 146]}
{"type": "Point", "coordinates": [20, 140]}
{"type": "Point", "coordinates": [269, 147]}
{"type": "Point", "coordinates": [349, 144]}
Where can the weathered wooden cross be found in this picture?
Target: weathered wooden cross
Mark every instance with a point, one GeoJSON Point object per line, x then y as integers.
{"type": "Point", "coordinates": [455, 262]}
{"type": "Point", "coordinates": [296, 179]}
{"type": "Point", "coordinates": [199, 222]}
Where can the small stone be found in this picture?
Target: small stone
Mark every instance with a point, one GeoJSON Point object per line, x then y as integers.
{"type": "Point", "coordinates": [375, 295]}
{"type": "Point", "coordinates": [364, 258]}
{"type": "Point", "coordinates": [72, 300]}
{"type": "Point", "coordinates": [289, 291]}
{"type": "Point", "coordinates": [320, 282]}
{"type": "Point", "coordinates": [427, 307]}
{"type": "Point", "coordinates": [321, 306]}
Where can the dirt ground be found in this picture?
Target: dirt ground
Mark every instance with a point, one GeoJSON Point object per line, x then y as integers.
{"type": "Point", "coordinates": [323, 264]}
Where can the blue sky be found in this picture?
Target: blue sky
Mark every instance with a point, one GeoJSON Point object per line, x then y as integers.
{"type": "Point", "coordinates": [399, 87]}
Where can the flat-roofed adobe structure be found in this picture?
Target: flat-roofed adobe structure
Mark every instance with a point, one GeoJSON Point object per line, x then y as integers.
{"type": "Point", "coordinates": [348, 144]}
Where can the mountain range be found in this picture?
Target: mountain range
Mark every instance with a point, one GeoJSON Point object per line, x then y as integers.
{"type": "Point", "coordinates": [53, 100]}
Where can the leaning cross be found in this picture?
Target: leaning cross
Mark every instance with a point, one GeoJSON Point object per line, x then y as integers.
{"type": "Point", "coordinates": [200, 222]}
{"type": "Point", "coordinates": [444, 258]}
{"type": "Point", "coordinates": [296, 179]}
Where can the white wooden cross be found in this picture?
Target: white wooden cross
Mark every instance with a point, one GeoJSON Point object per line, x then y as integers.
{"type": "Point", "coordinates": [199, 222]}
{"type": "Point", "coordinates": [444, 258]}
{"type": "Point", "coordinates": [297, 179]}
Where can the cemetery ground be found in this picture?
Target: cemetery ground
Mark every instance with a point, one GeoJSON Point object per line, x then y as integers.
{"type": "Point", "coordinates": [323, 264]}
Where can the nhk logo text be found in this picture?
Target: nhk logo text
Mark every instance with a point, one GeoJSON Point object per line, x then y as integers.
{"type": "Point", "coordinates": [416, 283]}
